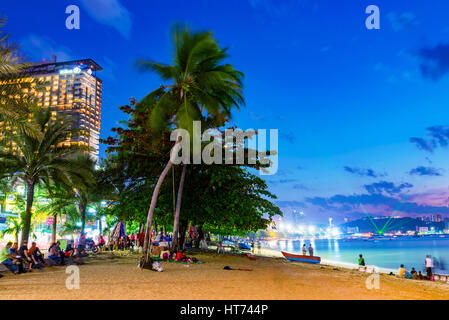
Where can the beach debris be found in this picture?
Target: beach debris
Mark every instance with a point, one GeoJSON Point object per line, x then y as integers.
{"type": "Point", "coordinates": [238, 269]}
{"type": "Point", "coordinates": [250, 256]}
{"type": "Point", "coordinates": [157, 266]}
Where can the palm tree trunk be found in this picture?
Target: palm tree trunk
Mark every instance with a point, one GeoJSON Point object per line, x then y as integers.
{"type": "Point", "coordinates": [53, 229]}
{"type": "Point", "coordinates": [29, 205]}
{"type": "Point", "coordinates": [182, 234]}
{"type": "Point", "coordinates": [178, 208]}
{"type": "Point", "coordinates": [147, 243]}
{"type": "Point", "coordinates": [82, 208]}
{"type": "Point", "coordinates": [100, 227]}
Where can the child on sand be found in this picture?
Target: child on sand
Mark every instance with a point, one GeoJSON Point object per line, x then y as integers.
{"type": "Point", "coordinates": [402, 271]}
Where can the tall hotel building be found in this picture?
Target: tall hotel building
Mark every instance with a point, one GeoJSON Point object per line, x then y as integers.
{"type": "Point", "coordinates": [71, 88]}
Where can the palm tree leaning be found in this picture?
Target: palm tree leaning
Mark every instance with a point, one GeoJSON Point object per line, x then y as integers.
{"type": "Point", "coordinates": [201, 88]}
{"type": "Point", "coordinates": [43, 159]}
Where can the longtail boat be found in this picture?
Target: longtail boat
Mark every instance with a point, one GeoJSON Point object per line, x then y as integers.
{"type": "Point", "coordinates": [301, 258]}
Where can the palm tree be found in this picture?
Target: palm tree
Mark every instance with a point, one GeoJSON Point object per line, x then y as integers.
{"type": "Point", "coordinates": [62, 202]}
{"type": "Point", "coordinates": [14, 226]}
{"type": "Point", "coordinates": [43, 159]}
{"type": "Point", "coordinates": [15, 100]}
{"type": "Point", "coordinates": [201, 88]}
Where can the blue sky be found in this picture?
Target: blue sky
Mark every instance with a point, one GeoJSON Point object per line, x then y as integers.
{"type": "Point", "coordinates": [362, 114]}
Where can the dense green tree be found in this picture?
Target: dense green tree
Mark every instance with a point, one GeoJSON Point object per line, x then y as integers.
{"type": "Point", "coordinates": [200, 88]}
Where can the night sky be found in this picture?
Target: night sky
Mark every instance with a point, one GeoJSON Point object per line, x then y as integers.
{"type": "Point", "coordinates": [362, 114]}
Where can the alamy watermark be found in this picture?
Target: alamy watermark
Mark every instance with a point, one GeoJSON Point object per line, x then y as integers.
{"type": "Point", "coordinates": [373, 282]}
{"type": "Point", "coordinates": [232, 143]}
{"type": "Point", "coordinates": [73, 280]}
{"type": "Point", "coordinates": [73, 20]}
{"type": "Point", "coordinates": [373, 20]}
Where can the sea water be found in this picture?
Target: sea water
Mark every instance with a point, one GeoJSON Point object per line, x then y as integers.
{"type": "Point", "coordinates": [384, 253]}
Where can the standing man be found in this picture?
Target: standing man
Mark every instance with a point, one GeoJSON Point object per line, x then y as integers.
{"type": "Point", "coordinates": [310, 250]}
{"type": "Point", "coordinates": [429, 266]}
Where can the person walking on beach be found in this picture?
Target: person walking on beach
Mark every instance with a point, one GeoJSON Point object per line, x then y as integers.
{"type": "Point", "coordinates": [310, 250]}
{"type": "Point", "coordinates": [304, 250]}
{"type": "Point", "coordinates": [429, 266]}
{"type": "Point", "coordinates": [361, 261]}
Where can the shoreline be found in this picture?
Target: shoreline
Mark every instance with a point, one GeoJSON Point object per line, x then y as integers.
{"type": "Point", "coordinates": [116, 277]}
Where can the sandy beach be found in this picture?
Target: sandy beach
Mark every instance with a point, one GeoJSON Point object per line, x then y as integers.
{"type": "Point", "coordinates": [108, 276]}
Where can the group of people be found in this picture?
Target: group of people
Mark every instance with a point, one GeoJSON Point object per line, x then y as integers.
{"type": "Point", "coordinates": [413, 274]}
{"type": "Point", "coordinates": [24, 259]}
{"type": "Point", "coordinates": [304, 250]}
{"type": "Point", "coordinates": [428, 263]}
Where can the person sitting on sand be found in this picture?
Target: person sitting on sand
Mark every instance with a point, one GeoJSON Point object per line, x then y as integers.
{"type": "Point", "coordinates": [402, 271]}
{"type": "Point", "coordinates": [59, 251]}
{"type": "Point", "coordinates": [53, 253]}
{"type": "Point", "coordinates": [311, 250]}
{"type": "Point", "coordinates": [26, 257]}
{"type": "Point", "coordinates": [36, 255]}
{"type": "Point", "coordinates": [361, 261]}
{"type": "Point", "coordinates": [8, 259]}
{"type": "Point", "coordinates": [14, 250]}
{"type": "Point", "coordinates": [420, 276]}
{"type": "Point", "coordinates": [414, 273]}
{"type": "Point", "coordinates": [69, 249]}
{"type": "Point", "coordinates": [304, 250]}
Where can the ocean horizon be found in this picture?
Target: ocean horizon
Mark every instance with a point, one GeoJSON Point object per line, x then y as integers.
{"type": "Point", "coordinates": [385, 254]}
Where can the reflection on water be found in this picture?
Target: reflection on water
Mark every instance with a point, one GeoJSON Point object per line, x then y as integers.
{"type": "Point", "coordinates": [384, 253]}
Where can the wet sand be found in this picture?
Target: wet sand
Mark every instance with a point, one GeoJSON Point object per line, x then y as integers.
{"type": "Point", "coordinates": [116, 276]}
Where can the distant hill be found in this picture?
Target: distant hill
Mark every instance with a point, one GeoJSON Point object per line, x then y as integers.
{"type": "Point", "coordinates": [395, 224]}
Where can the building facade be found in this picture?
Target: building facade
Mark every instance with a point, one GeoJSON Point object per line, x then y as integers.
{"type": "Point", "coordinates": [71, 88]}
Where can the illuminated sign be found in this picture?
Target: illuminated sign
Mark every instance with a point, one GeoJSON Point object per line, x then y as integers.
{"type": "Point", "coordinates": [11, 198]}
{"type": "Point", "coordinates": [75, 70]}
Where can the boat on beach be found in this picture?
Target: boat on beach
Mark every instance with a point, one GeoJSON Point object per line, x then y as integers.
{"type": "Point", "coordinates": [301, 258]}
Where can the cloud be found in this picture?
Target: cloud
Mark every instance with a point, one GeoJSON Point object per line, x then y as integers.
{"type": "Point", "coordinates": [111, 13]}
{"type": "Point", "coordinates": [363, 172]}
{"type": "Point", "coordinates": [373, 204]}
{"type": "Point", "coordinates": [422, 144]}
{"type": "Point", "coordinates": [275, 7]}
{"type": "Point", "coordinates": [401, 21]}
{"type": "Point", "coordinates": [110, 68]}
{"type": "Point", "coordinates": [40, 47]}
{"type": "Point", "coordinates": [300, 186]}
{"type": "Point", "coordinates": [286, 203]}
{"type": "Point", "coordinates": [288, 136]}
{"type": "Point", "coordinates": [434, 61]}
{"type": "Point", "coordinates": [257, 117]}
{"type": "Point", "coordinates": [436, 136]}
{"type": "Point", "coordinates": [387, 187]}
{"type": "Point", "coordinates": [282, 181]}
{"type": "Point", "coordinates": [425, 171]}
